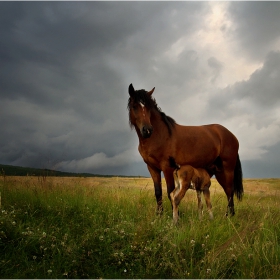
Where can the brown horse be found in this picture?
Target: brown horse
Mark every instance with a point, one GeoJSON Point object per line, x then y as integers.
{"type": "Point", "coordinates": [212, 147]}
{"type": "Point", "coordinates": [187, 177]}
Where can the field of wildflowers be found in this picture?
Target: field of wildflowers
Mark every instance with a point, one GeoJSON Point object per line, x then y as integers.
{"type": "Point", "coordinates": [107, 228]}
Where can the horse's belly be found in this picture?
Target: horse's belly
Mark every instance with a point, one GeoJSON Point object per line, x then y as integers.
{"type": "Point", "coordinates": [198, 154]}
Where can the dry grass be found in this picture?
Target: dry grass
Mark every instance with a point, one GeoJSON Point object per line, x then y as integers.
{"type": "Point", "coordinates": [106, 227]}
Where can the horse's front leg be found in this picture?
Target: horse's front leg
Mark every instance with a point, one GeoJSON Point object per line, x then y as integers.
{"type": "Point", "coordinates": [199, 201]}
{"type": "Point", "coordinates": [168, 175]}
{"type": "Point", "coordinates": [156, 176]}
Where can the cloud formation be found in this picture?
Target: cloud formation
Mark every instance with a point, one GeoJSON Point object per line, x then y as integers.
{"type": "Point", "coordinates": [66, 66]}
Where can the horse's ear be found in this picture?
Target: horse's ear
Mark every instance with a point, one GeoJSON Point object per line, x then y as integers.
{"type": "Point", "coordinates": [151, 92]}
{"type": "Point", "coordinates": [131, 90]}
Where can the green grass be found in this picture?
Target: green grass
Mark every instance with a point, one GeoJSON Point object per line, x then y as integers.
{"type": "Point", "coordinates": [108, 228]}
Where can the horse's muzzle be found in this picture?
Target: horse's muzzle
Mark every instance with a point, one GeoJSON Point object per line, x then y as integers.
{"type": "Point", "coordinates": [147, 131]}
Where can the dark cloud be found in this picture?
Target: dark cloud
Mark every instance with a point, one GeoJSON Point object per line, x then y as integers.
{"type": "Point", "coordinates": [267, 167]}
{"type": "Point", "coordinates": [66, 66]}
{"type": "Point", "coordinates": [260, 91]}
{"type": "Point", "coordinates": [256, 26]}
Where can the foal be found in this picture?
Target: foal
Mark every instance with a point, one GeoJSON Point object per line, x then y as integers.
{"type": "Point", "coordinates": [188, 177]}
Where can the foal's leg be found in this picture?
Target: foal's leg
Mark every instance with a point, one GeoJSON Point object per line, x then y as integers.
{"type": "Point", "coordinates": [172, 196]}
{"type": "Point", "coordinates": [200, 206]}
{"type": "Point", "coordinates": [178, 195]}
{"type": "Point", "coordinates": [206, 194]}
{"type": "Point", "coordinates": [174, 206]}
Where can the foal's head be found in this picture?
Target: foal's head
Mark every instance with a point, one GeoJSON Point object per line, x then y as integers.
{"type": "Point", "coordinates": [140, 105]}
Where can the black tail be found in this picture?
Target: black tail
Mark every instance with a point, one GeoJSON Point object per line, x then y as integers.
{"type": "Point", "coordinates": [238, 185]}
{"type": "Point", "coordinates": [173, 163]}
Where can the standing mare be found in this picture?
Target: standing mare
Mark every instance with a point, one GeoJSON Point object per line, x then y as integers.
{"type": "Point", "coordinates": [212, 147]}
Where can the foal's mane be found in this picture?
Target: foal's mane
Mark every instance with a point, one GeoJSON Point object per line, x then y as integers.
{"type": "Point", "coordinates": [150, 103]}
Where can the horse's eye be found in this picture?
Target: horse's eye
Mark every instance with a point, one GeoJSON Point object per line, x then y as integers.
{"type": "Point", "coordinates": [134, 106]}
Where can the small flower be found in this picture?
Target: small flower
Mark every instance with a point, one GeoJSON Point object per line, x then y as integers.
{"type": "Point", "coordinates": [208, 270]}
{"type": "Point", "coordinates": [124, 270]}
{"type": "Point", "coordinates": [13, 223]}
{"type": "Point", "coordinates": [101, 237]}
{"type": "Point", "coordinates": [44, 234]}
{"type": "Point", "coordinates": [34, 257]}
{"type": "Point", "coordinates": [192, 242]}
{"type": "Point", "coordinates": [49, 271]}
{"type": "Point", "coordinates": [234, 258]}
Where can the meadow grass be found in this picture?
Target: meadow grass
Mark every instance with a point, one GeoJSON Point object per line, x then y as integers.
{"type": "Point", "coordinates": [108, 228]}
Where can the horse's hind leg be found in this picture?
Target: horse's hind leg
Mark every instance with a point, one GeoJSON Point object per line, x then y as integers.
{"type": "Point", "coordinates": [206, 194]}
{"type": "Point", "coordinates": [225, 179]}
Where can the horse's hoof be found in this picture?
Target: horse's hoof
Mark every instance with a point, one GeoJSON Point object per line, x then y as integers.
{"type": "Point", "coordinates": [159, 211]}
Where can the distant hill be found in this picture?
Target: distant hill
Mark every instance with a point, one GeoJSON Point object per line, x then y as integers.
{"type": "Point", "coordinates": [10, 170]}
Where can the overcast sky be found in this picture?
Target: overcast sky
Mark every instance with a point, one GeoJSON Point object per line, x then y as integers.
{"type": "Point", "coordinates": [65, 68]}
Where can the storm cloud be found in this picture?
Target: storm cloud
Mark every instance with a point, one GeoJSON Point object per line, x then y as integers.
{"type": "Point", "coordinates": [66, 66]}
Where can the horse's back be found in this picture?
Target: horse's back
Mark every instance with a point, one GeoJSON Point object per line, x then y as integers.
{"type": "Point", "coordinates": [211, 140]}
{"type": "Point", "coordinates": [223, 132]}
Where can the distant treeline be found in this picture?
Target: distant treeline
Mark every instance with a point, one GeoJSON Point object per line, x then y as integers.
{"type": "Point", "coordinates": [10, 170]}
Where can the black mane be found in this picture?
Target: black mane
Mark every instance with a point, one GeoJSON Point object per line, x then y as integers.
{"type": "Point", "coordinates": [150, 103]}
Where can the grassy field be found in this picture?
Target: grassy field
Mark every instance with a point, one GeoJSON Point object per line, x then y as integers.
{"type": "Point", "coordinates": [107, 228]}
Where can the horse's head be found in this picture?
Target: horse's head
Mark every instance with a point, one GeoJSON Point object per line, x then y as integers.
{"type": "Point", "coordinates": [140, 105]}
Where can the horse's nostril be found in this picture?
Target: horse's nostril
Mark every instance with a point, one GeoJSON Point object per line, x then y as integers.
{"type": "Point", "coordinates": [146, 131]}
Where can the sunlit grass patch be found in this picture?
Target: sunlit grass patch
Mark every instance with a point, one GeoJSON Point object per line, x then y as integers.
{"type": "Point", "coordinates": [108, 228]}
